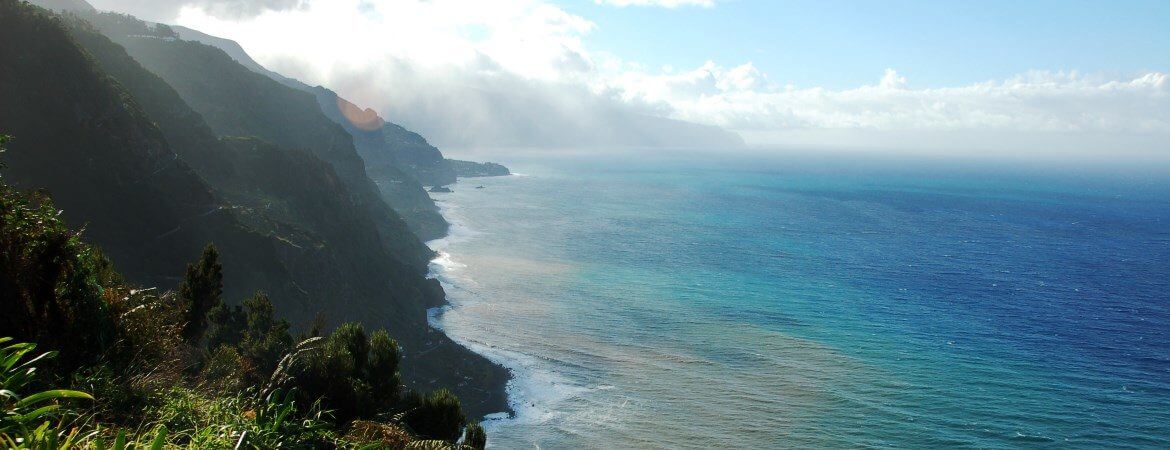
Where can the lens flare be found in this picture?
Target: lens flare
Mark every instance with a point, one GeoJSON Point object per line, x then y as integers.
{"type": "Point", "coordinates": [365, 119]}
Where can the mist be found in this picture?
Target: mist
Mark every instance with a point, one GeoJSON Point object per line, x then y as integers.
{"type": "Point", "coordinates": [521, 74]}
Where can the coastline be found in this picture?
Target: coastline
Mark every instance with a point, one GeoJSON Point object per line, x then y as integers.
{"type": "Point", "coordinates": [529, 390]}
{"type": "Point", "coordinates": [438, 269]}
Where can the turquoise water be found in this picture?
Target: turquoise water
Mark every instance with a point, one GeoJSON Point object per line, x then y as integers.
{"type": "Point", "coordinates": [834, 301]}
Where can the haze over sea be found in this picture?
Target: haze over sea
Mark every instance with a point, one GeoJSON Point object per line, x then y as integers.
{"type": "Point", "coordinates": [816, 301]}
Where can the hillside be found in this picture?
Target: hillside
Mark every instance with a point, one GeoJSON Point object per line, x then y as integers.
{"type": "Point", "coordinates": [374, 269]}
{"type": "Point", "coordinates": [400, 183]}
{"type": "Point", "coordinates": [84, 140]}
{"type": "Point", "coordinates": [124, 367]}
{"type": "Point", "coordinates": [235, 101]}
{"type": "Point", "coordinates": [471, 169]}
{"type": "Point", "coordinates": [130, 159]}
{"type": "Point", "coordinates": [399, 161]}
{"type": "Point", "coordinates": [422, 159]}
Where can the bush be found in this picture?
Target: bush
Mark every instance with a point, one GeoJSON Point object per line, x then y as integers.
{"type": "Point", "coordinates": [134, 348]}
{"type": "Point", "coordinates": [22, 412]}
{"type": "Point", "coordinates": [225, 370]}
{"type": "Point", "coordinates": [382, 369]}
{"type": "Point", "coordinates": [437, 416]}
{"type": "Point", "coordinates": [354, 375]}
{"type": "Point", "coordinates": [201, 291]}
{"type": "Point", "coordinates": [52, 285]}
{"type": "Point", "coordinates": [475, 437]}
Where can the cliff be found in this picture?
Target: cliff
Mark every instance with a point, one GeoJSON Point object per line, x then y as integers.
{"type": "Point", "coordinates": [469, 169]}
{"type": "Point", "coordinates": [400, 178]}
{"type": "Point", "coordinates": [87, 142]}
{"type": "Point", "coordinates": [147, 169]}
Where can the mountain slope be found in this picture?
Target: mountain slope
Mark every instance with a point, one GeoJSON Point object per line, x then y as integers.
{"type": "Point", "coordinates": [303, 219]}
{"type": "Point", "coordinates": [113, 153]}
{"type": "Point", "coordinates": [64, 5]}
{"type": "Point", "coordinates": [399, 161]}
{"type": "Point", "coordinates": [412, 151]}
{"type": "Point", "coordinates": [83, 139]}
{"type": "Point", "coordinates": [236, 101]}
{"type": "Point", "coordinates": [400, 184]}
{"type": "Point", "coordinates": [352, 253]}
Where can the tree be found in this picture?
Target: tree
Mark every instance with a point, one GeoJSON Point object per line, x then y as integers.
{"type": "Point", "coordinates": [253, 330]}
{"type": "Point", "coordinates": [355, 376]}
{"type": "Point", "coordinates": [382, 368]}
{"type": "Point", "coordinates": [352, 337]}
{"type": "Point", "coordinates": [52, 284]}
{"type": "Point", "coordinates": [201, 290]}
{"type": "Point", "coordinates": [438, 416]}
{"type": "Point", "coordinates": [266, 339]}
{"type": "Point", "coordinates": [226, 326]}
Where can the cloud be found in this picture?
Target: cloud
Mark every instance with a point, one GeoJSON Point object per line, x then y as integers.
{"type": "Point", "coordinates": [520, 72]}
{"type": "Point", "coordinates": [658, 3]}
{"type": "Point", "coordinates": [167, 10]}
{"type": "Point", "coordinates": [742, 98]}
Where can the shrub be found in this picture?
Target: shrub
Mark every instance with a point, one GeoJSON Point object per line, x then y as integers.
{"type": "Point", "coordinates": [382, 369]}
{"type": "Point", "coordinates": [225, 370]}
{"type": "Point", "coordinates": [354, 375]}
{"type": "Point", "coordinates": [475, 437]}
{"type": "Point", "coordinates": [201, 291]}
{"type": "Point", "coordinates": [52, 285]}
{"type": "Point", "coordinates": [437, 416]}
{"type": "Point", "coordinates": [266, 339]}
{"type": "Point", "coordinates": [366, 434]}
{"type": "Point", "coordinates": [22, 413]}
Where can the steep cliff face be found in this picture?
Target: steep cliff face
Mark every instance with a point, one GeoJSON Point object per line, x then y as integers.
{"type": "Point", "coordinates": [471, 169]}
{"type": "Point", "coordinates": [328, 245]}
{"type": "Point", "coordinates": [235, 101]}
{"type": "Point", "coordinates": [400, 183]}
{"type": "Point", "coordinates": [125, 155]}
{"type": "Point", "coordinates": [86, 141]}
{"type": "Point", "coordinates": [399, 161]}
{"type": "Point", "coordinates": [301, 179]}
{"type": "Point", "coordinates": [414, 152]}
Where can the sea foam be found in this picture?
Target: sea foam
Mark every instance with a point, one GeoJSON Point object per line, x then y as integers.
{"type": "Point", "coordinates": [534, 389]}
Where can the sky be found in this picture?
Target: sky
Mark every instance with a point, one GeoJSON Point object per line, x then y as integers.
{"type": "Point", "coordinates": [1017, 76]}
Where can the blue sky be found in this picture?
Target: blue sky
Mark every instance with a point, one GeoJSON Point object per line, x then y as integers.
{"type": "Point", "coordinates": [841, 44]}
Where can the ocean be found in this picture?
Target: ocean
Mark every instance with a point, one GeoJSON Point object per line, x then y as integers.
{"type": "Point", "coordinates": [815, 301]}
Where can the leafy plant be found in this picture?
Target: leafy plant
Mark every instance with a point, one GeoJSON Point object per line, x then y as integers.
{"type": "Point", "coordinates": [475, 437]}
{"type": "Point", "coordinates": [201, 291]}
{"type": "Point", "coordinates": [22, 413]}
{"type": "Point", "coordinates": [279, 423]}
{"type": "Point", "coordinates": [437, 416]}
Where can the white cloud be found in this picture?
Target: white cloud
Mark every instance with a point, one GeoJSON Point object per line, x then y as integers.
{"type": "Point", "coordinates": [742, 98]}
{"type": "Point", "coordinates": [658, 3]}
{"type": "Point", "coordinates": [464, 71]}
{"type": "Point", "coordinates": [165, 10]}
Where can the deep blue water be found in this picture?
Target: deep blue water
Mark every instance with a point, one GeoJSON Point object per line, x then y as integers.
{"type": "Point", "coordinates": [829, 301]}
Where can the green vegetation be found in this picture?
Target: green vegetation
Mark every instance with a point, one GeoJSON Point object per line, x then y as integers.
{"type": "Point", "coordinates": [163, 370]}
{"type": "Point", "coordinates": [201, 291]}
{"type": "Point", "coordinates": [123, 156]}
{"type": "Point", "coordinates": [130, 161]}
{"type": "Point", "coordinates": [23, 412]}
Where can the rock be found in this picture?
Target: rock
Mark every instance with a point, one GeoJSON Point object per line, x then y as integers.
{"type": "Point", "coordinates": [467, 169]}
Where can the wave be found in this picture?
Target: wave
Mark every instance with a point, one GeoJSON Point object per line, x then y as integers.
{"type": "Point", "coordinates": [534, 389]}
